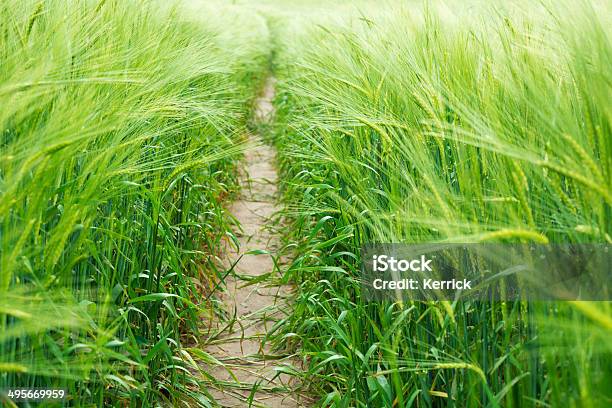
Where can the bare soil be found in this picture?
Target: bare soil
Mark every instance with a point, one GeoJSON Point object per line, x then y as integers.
{"type": "Point", "coordinates": [250, 371]}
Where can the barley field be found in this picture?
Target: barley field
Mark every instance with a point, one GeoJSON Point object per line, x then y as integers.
{"type": "Point", "coordinates": [127, 132]}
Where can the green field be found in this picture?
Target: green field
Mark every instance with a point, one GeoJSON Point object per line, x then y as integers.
{"type": "Point", "coordinates": [122, 130]}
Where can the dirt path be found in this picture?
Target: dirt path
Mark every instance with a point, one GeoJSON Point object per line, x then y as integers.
{"type": "Point", "coordinates": [242, 346]}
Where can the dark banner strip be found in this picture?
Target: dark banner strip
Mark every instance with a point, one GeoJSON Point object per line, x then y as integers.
{"type": "Point", "coordinates": [486, 272]}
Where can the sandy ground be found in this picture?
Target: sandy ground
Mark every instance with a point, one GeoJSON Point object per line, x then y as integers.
{"type": "Point", "coordinates": [242, 348]}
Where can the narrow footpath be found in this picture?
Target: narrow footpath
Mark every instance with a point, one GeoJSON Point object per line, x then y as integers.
{"type": "Point", "coordinates": [250, 374]}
